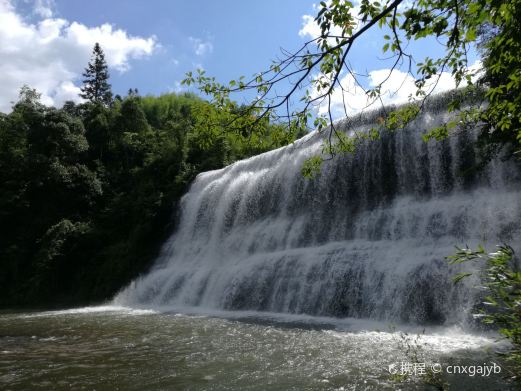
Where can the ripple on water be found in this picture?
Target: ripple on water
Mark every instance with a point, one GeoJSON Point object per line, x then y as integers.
{"type": "Point", "coordinates": [108, 347]}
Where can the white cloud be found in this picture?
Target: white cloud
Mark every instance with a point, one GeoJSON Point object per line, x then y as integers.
{"type": "Point", "coordinates": [44, 8]}
{"type": "Point", "coordinates": [177, 87]}
{"type": "Point", "coordinates": [66, 91]}
{"type": "Point", "coordinates": [197, 65]}
{"type": "Point", "coordinates": [51, 54]}
{"type": "Point", "coordinates": [201, 48]}
{"type": "Point", "coordinates": [397, 87]}
{"type": "Point", "coordinates": [310, 28]}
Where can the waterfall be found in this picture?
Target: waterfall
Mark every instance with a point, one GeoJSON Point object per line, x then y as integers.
{"type": "Point", "coordinates": [367, 237]}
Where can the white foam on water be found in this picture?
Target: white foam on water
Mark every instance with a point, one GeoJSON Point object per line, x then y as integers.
{"type": "Point", "coordinates": [367, 238]}
{"type": "Point", "coordinates": [92, 310]}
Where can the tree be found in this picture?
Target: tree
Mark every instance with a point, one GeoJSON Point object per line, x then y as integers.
{"type": "Point", "coordinates": [501, 46]}
{"type": "Point", "coordinates": [501, 282]}
{"type": "Point", "coordinates": [87, 192]}
{"type": "Point", "coordinates": [316, 68]}
{"type": "Point", "coordinates": [95, 85]}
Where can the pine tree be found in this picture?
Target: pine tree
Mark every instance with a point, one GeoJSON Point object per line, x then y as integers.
{"type": "Point", "coordinates": [95, 85]}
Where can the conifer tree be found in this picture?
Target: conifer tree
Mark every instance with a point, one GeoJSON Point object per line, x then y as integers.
{"type": "Point", "coordinates": [95, 85]}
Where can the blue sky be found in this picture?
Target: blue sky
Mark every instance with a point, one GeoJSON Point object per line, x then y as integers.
{"type": "Point", "coordinates": [238, 37]}
{"type": "Point", "coordinates": [150, 45]}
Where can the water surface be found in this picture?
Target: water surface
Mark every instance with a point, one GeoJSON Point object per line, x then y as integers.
{"type": "Point", "coordinates": [114, 348]}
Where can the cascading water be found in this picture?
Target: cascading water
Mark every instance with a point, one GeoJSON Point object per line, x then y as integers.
{"type": "Point", "coordinates": [367, 237]}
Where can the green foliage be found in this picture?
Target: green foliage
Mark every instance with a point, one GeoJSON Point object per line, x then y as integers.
{"type": "Point", "coordinates": [399, 118]}
{"type": "Point", "coordinates": [52, 264]}
{"type": "Point", "coordinates": [316, 69]}
{"type": "Point", "coordinates": [311, 166]}
{"type": "Point", "coordinates": [413, 349]}
{"type": "Point", "coordinates": [87, 192]}
{"type": "Point", "coordinates": [501, 280]}
{"type": "Point", "coordinates": [96, 87]}
{"type": "Point", "coordinates": [503, 78]}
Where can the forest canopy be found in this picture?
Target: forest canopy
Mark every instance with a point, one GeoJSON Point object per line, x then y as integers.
{"type": "Point", "coordinates": [88, 191]}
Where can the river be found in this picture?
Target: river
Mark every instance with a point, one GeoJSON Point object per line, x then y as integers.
{"type": "Point", "coordinates": [118, 348]}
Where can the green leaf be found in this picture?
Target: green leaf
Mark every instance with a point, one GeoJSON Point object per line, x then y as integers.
{"type": "Point", "coordinates": [460, 276]}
